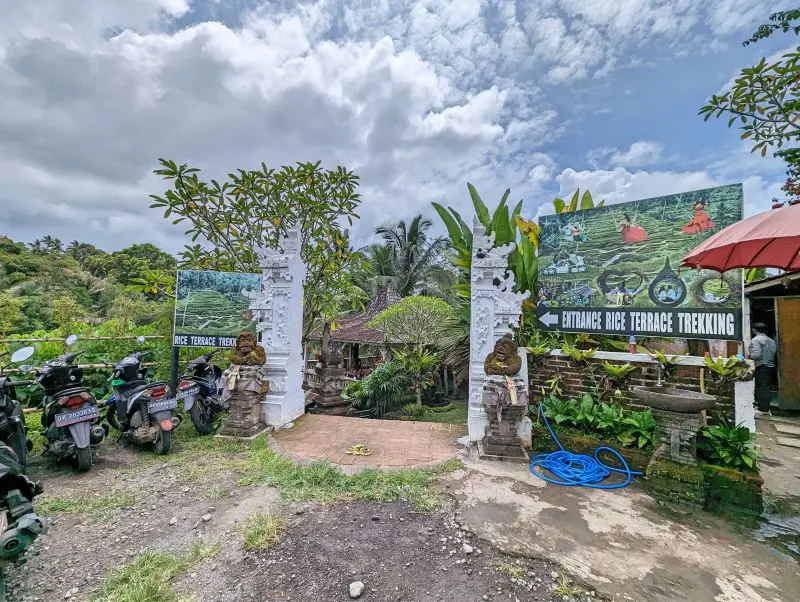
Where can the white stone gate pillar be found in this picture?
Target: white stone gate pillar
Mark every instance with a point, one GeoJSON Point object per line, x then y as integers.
{"type": "Point", "coordinates": [496, 309]}
{"type": "Point", "coordinates": [278, 310]}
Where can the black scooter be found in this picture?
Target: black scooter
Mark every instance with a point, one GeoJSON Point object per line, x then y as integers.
{"type": "Point", "coordinates": [19, 524]}
{"type": "Point", "coordinates": [71, 418]}
{"type": "Point", "coordinates": [199, 389]}
{"type": "Point", "coordinates": [140, 409]}
{"type": "Point", "coordinates": [13, 431]}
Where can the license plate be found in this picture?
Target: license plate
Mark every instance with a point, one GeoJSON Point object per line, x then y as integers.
{"type": "Point", "coordinates": [187, 392]}
{"type": "Point", "coordinates": [89, 412]}
{"type": "Point", "coordinates": [162, 405]}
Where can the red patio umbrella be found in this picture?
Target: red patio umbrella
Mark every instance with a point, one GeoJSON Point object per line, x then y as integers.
{"type": "Point", "coordinates": [767, 240]}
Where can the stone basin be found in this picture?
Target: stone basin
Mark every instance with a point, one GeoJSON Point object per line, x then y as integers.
{"type": "Point", "coordinates": [674, 400]}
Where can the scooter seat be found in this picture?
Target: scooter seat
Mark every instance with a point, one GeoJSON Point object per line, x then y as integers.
{"type": "Point", "coordinates": [130, 389]}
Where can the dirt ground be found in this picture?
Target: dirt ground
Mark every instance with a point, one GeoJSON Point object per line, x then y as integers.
{"type": "Point", "coordinates": [132, 502]}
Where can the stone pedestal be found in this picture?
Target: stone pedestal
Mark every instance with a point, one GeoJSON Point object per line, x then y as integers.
{"type": "Point", "coordinates": [329, 379]}
{"type": "Point", "coordinates": [676, 436]}
{"type": "Point", "coordinates": [673, 473]}
{"type": "Point", "coordinates": [245, 419]}
{"type": "Point", "coordinates": [502, 441]}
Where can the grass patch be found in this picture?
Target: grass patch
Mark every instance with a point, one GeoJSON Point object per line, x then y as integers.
{"type": "Point", "coordinates": [81, 504]}
{"type": "Point", "coordinates": [512, 571]}
{"type": "Point", "coordinates": [564, 587]}
{"type": "Point", "coordinates": [322, 482]}
{"type": "Point", "coordinates": [148, 578]}
{"type": "Point", "coordinates": [262, 531]}
{"type": "Point", "coordinates": [453, 413]}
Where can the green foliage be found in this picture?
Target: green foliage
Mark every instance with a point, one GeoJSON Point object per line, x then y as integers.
{"type": "Point", "coordinates": [53, 288]}
{"type": "Point", "coordinates": [322, 482]}
{"type": "Point", "coordinates": [667, 363]}
{"type": "Point", "coordinates": [417, 321]}
{"type": "Point", "coordinates": [577, 202]}
{"type": "Point", "coordinates": [781, 21]}
{"type": "Point", "coordinates": [381, 391]}
{"type": "Point", "coordinates": [148, 578]}
{"type": "Point", "coordinates": [262, 531]}
{"type": "Point", "coordinates": [640, 428]}
{"type": "Point", "coordinates": [412, 255]}
{"type": "Point", "coordinates": [579, 356]}
{"type": "Point", "coordinates": [727, 369]}
{"type": "Point", "coordinates": [764, 101]}
{"type": "Point", "coordinates": [10, 313]}
{"type": "Point", "coordinates": [618, 372]}
{"type": "Point", "coordinates": [454, 341]}
{"type": "Point", "coordinates": [253, 209]}
{"type": "Point", "coordinates": [452, 413]}
{"type": "Point", "coordinates": [419, 365]}
{"type": "Point", "coordinates": [594, 417]}
{"type": "Point", "coordinates": [729, 446]}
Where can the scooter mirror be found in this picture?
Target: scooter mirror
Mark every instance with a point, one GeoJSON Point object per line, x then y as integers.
{"type": "Point", "coordinates": [71, 340]}
{"type": "Point", "coordinates": [20, 355]}
{"type": "Point", "coordinates": [140, 339]}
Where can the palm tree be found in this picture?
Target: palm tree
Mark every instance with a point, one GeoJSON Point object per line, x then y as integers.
{"type": "Point", "coordinates": [413, 253]}
{"type": "Point", "coordinates": [80, 251]}
{"type": "Point", "coordinates": [52, 244]}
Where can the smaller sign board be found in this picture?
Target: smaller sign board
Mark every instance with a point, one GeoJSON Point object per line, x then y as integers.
{"type": "Point", "coordinates": [212, 308]}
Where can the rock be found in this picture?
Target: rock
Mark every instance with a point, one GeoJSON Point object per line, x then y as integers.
{"type": "Point", "coordinates": [173, 521]}
{"type": "Point", "coordinates": [376, 517]}
{"type": "Point", "coordinates": [554, 575]}
{"type": "Point", "coordinates": [206, 518]}
{"type": "Point", "coordinates": [356, 589]}
{"type": "Point", "coordinates": [467, 548]}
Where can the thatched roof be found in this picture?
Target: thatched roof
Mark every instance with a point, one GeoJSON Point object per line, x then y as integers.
{"type": "Point", "coordinates": [354, 329]}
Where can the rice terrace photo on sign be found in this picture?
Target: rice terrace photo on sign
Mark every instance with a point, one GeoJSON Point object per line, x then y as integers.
{"type": "Point", "coordinates": [211, 308]}
{"type": "Point", "coordinates": [624, 259]}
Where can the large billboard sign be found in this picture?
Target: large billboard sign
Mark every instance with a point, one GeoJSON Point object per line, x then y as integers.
{"type": "Point", "coordinates": [211, 308]}
{"type": "Point", "coordinates": [614, 270]}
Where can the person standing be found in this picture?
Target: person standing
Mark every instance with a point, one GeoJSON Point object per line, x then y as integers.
{"type": "Point", "coordinates": [762, 351]}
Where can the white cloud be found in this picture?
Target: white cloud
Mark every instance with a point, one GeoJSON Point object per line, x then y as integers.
{"type": "Point", "coordinates": [417, 96]}
{"type": "Point", "coordinates": [644, 152]}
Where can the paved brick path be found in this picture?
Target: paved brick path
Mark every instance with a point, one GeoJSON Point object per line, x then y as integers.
{"type": "Point", "coordinates": [394, 443]}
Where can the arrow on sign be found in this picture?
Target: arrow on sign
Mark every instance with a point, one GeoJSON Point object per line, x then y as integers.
{"type": "Point", "coordinates": [548, 319]}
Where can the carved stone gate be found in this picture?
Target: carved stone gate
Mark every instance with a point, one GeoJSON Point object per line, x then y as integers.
{"type": "Point", "coordinates": [496, 309]}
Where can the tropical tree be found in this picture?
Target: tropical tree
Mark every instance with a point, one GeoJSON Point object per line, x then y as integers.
{"type": "Point", "coordinates": [10, 313]}
{"type": "Point", "coordinates": [764, 101]}
{"type": "Point", "coordinates": [155, 284]}
{"type": "Point", "coordinates": [81, 251]}
{"type": "Point", "coordinates": [417, 321]}
{"type": "Point", "coordinates": [413, 253]}
{"type": "Point", "coordinates": [254, 209]}
{"type": "Point", "coordinates": [420, 365]}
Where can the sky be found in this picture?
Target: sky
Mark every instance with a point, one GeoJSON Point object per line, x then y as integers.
{"type": "Point", "coordinates": [418, 97]}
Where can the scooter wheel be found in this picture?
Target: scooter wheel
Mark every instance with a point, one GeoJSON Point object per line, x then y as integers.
{"type": "Point", "coordinates": [84, 459]}
{"type": "Point", "coordinates": [163, 442]}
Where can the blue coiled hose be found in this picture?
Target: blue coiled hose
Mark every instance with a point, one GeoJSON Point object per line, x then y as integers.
{"type": "Point", "coordinates": [579, 469]}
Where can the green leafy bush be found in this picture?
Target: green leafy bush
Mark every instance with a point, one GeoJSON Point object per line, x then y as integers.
{"type": "Point", "coordinates": [607, 421]}
{"type": "Point", "coordinates": [381, 391]}
{"type": "Point", "coordinates": [729, 446]}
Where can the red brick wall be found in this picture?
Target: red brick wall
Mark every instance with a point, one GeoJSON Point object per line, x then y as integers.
{"type": "Point", "coordinates": [577, 380]}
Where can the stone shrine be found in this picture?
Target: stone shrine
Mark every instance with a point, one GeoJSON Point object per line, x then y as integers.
{"type": "Point", "coordinates": [329, 377]}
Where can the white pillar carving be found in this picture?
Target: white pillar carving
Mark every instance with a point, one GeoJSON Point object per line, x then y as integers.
{"type": "Point", "coordinates": [278, 310]}
{"type": "Point", "coordinates": [496, 309]}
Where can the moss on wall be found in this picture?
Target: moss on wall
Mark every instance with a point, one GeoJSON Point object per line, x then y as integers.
{"type": "Point", "coordinates": [730, 491]}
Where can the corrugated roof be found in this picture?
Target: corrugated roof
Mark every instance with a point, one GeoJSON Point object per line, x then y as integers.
{"type": "Point", "coordinates": [354, 329]}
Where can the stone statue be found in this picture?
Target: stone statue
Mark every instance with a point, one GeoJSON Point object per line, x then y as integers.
{"type": "Point", "coordinates": [504, 359]}
{"type": "Point", "coordinates": [247, 351]}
